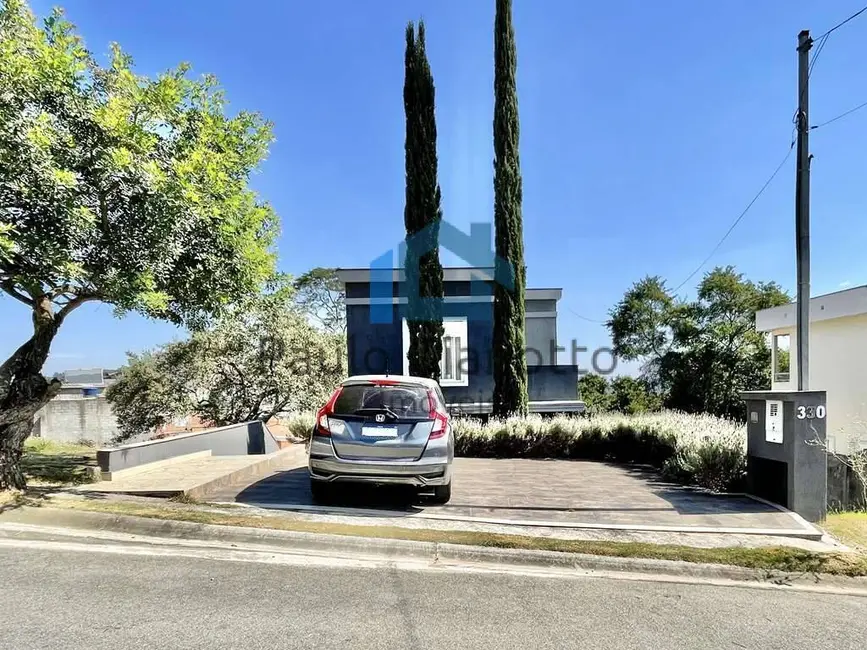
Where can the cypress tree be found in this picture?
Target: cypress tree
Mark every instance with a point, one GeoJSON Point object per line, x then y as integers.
{"type": "Point", "coordinates": [422, 212]}
{"type": "Point", "coordinates": [509, 356]}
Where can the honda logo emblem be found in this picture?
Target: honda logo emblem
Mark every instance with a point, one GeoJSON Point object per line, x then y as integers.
{"type": "Point", "coordinates": [380, 417]}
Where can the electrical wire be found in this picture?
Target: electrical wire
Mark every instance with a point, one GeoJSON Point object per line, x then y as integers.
{"type": "Point", "coordinates": [589, 320]}
{"type": "Point", "coordinates": [819, 48]}
{"type": "Point", "coordinates": [738, 220]}
{"type": "Point", "coordinates": [841, 23]}
{"type": "Point", "coordinates": [823, 39]}
{"type": "Point", "coordinates": [840, 116]}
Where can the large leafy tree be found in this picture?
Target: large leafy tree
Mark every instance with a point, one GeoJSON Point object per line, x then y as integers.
{"type": "Point", "coordinates": [115, 188]}
{"type": "Point", "coordinates": [320, 294]}
{"type": "Point", "coordinates": [423, 211]}
{"type": "Point", "coordinates": [509, 354]}
{"type": "Point", "coordinates": [260, 359]}
{"type": "Point", "coordinates": [698, 354]}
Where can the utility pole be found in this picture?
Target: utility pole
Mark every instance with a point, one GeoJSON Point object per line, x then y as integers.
{"type": "Point", "coordinates": [802, 211]}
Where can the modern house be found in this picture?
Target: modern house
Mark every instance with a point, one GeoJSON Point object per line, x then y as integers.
{"type": "Point", "coordinates": [378, 337]}
{"type": "Point", "coordinates": [838, 359]}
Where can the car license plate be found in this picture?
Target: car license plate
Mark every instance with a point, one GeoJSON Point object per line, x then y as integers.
{"type": "Point", "coordinates": [379, 432]}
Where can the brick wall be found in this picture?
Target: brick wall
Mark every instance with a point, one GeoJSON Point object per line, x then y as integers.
{"type": "Point", "coordinates": [76, 418]}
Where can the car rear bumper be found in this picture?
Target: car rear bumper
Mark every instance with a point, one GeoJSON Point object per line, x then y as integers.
{"type": "Point", "coordinates": [414, 473]}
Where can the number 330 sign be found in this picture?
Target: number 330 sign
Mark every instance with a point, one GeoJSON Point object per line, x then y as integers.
{"type": "Point", "coordinates": [811, 412]}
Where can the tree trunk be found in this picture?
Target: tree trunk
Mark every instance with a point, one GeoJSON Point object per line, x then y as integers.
{"type": "Point", "coordinates": [23, 391]}
{"type": "Point", "coordinates": [24, 398]}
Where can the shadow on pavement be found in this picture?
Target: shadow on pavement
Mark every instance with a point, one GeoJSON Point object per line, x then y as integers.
{"type": "Point", "coordinates": [687, 500]}
{"type": "Point", "coordinates": [292, 487]}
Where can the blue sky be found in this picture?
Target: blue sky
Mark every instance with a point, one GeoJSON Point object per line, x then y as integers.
{"type": "Point", "coordinates": [646, 127]}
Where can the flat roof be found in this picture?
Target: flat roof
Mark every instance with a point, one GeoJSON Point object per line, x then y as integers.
{"type": "Point", "coordinates": [450, 274]}
{"type": "Point", "coordinates": [840, 304]}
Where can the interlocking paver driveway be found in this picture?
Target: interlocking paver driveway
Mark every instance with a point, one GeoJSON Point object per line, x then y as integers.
{"type": "Point", "coordinates": [532, 491]}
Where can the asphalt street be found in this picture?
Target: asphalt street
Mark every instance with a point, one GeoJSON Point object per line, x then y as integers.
{"type": "Point", "coordinates": [111, 600]}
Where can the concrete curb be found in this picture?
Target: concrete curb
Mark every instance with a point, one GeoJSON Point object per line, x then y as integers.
{"type": "Point", "coordinates": [286, 540]}
{"type": "Point", "coordinates": [47, 521]}
{"type": "Point", "coordinates": [600, 563]}
{"type": "Point", "coordinates": [804, 532]}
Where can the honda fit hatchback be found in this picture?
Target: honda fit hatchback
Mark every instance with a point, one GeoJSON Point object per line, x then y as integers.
{"type": "Point", "coordinates": [383, 429]}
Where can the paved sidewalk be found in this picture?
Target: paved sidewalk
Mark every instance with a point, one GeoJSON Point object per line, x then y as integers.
{"type": "Point", "coordinates": [531, 492]}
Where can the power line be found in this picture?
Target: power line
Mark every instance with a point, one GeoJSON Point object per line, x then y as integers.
{"type": "Point", "coordinates": [840, 116]}
{"type": "Point", "coordinates": [819, 48]}
{"type": "Point", "coordinates": [840, 24]}
{"type": "Point", "coordinates": [589, 320]}
{"type": "Point", "coordinates": [823, 39]}
{"type": "Point", "coordinates": [738, 220]}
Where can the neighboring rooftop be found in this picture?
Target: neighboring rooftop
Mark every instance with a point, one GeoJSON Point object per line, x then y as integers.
{"type": "Point", "coordinates": [86, 377]}
{"type": "Point", "coordinates": [849, 302]}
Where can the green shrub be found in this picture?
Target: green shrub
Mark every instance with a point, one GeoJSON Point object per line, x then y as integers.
{"type": "Point", "coordinates": [595, 392]}
{"type": "Point", "coordinates": [299, 425]}
{"type": "Point", "coordinates": [631, 395]}
{"type": "Point", "coordinates": [712, 465]}
{"type": "Point", "coordinates": [624, 394]}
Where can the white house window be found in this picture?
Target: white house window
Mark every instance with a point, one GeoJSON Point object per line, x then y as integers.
{"type": "Point", "coordinates": [781, 357]}
{"type": "Point", "coordinates": [453, 364]}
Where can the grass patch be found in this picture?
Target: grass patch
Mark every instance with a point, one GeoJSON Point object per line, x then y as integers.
{"type": "Point", "coordinates": [55, 448]}
{"type": "Point", "coordinates": [849, 527]}
{"type": "Point", "coordinates": [769, 558]}
{"type": "Point", "coordinates": [58, 463]}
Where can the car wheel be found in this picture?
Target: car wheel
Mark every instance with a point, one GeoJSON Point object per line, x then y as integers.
{"type": "Point", "coordinates": [322, 492]}
{"type": "Point", "coordinates": [442, 493]}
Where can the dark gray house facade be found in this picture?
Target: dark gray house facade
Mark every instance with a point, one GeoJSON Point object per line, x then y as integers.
{"type": "Point", "coordinates": [378, 338]}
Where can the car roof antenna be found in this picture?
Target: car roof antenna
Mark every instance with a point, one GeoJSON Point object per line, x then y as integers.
{"type": "Point", "coordinates": [387, 369]}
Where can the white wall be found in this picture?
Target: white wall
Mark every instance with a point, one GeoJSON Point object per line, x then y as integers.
{"type": "Point", "coordinates": [838, 365]}
{"type": "Point", "coordinates": [74, 418]}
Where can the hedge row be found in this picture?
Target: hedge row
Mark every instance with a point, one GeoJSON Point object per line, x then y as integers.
{"type": "Point", "coordinates": [700, 450]}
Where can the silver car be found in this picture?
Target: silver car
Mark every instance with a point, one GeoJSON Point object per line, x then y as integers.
{"type": "Point", "coordinates": [383, 429]}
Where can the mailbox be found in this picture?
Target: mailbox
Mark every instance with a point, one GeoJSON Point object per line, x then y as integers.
{"type": "Point", "coordinates": [786, 459]}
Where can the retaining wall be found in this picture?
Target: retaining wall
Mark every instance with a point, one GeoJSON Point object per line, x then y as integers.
{"type": "Point", "coordinates": [234, 440]}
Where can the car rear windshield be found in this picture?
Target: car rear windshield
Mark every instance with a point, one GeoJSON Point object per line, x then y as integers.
{"type": "Point", "coordinates": [406, 400]}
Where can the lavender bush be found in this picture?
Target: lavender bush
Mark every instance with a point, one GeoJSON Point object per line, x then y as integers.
{"type": "Point", "coordinates": [701, 450]}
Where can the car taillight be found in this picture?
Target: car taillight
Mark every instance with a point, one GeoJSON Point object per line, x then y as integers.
{"type": "Point", "coordinates": [324, 422]}
{"type": "Point", "coordinates": [441, 419]}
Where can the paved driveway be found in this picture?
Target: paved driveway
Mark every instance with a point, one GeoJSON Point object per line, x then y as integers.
{"type": "Point", "coordinates": [534, 492]}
